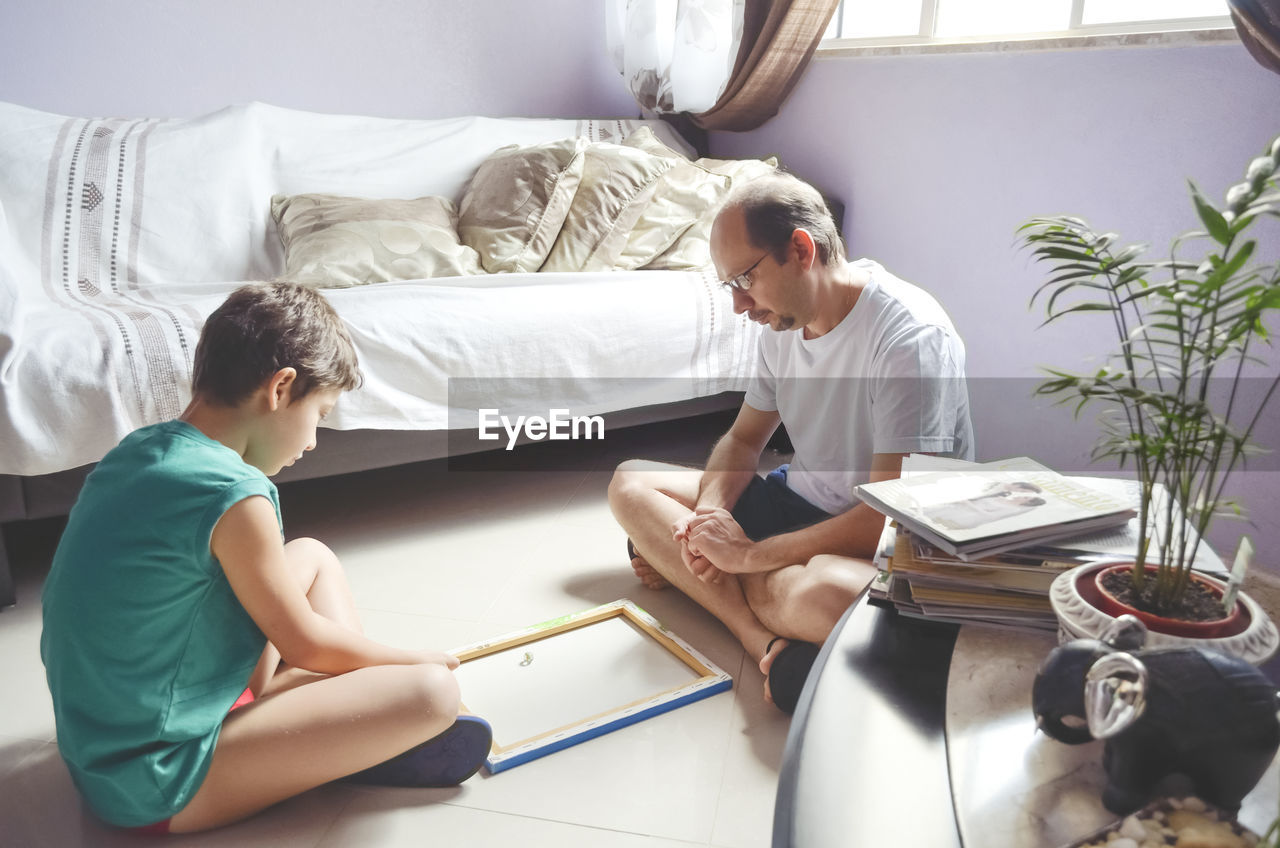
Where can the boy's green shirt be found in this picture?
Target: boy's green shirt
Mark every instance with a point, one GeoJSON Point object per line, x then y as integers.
{"type": "Point", "coordinates": [145, 646]}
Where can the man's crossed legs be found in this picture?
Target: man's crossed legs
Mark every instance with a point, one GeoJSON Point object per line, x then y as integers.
{"type": "Point", "coordinates": [799, 603]}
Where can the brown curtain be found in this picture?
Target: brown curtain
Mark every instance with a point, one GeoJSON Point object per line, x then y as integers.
{"type": "Point", "coordinates": [1258, 24]}
{"type": "Point", "coordinates": [778, 40]}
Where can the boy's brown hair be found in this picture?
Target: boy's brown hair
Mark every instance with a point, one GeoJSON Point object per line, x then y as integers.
{"type": "Point", "coordinates": [262, 328]}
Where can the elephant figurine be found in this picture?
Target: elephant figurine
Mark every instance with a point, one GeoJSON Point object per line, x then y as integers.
{"type": "Point", "coordinates": [1190, 711]}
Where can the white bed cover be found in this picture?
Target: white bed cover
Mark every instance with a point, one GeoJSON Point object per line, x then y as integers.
{"type": "Point", "coordinates": [117, 238]}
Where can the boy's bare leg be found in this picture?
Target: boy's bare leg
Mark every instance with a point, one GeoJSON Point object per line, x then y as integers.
{"type": "Point", "coordinates": [325, 583]}
{"type": "Point", "coordinates": [317, 732]}
{"type": "Point", "coordinates": [307, 729]}
{"type": "Point", "coordinates": [322, 579]}
{"type": "Point", "coordinates": [647, 498]}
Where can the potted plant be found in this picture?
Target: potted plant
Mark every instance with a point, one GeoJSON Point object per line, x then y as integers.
{"type": "Point", "coordinates": [1176, 395]}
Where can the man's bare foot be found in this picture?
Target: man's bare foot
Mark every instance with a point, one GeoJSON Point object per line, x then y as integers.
{"type": "Point", "coordinates": [648, 575]}
{"type": "Point", "coordinates": [766, 662]}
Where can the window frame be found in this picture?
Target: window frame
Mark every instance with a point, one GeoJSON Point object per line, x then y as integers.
{"type": "Point", "coordinates": [1211, 29]}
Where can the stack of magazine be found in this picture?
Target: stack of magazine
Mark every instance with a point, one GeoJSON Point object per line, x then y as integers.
{"type": "Point", "coordinates": [981, 542]}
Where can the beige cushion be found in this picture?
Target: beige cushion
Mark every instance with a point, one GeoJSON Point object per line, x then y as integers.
{"type": "Point", "coordinates": [617, 184]}
{"type": "Point", "coordinates": [333, 242]}
{"type": "Point", "coordinates": [683, 195]}
{"type": "Point", "coordinates": [692, 249]}
{"type": "Point", "coordinates": [741, 170]}
{"type": "Point", "coordinates": [514, 206]}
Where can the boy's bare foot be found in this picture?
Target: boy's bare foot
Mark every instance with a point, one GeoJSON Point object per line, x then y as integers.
{"type": "Point", "coordinates": [648, 575]}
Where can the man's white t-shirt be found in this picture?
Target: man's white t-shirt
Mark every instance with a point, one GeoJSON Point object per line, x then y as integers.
{"type": "Point", "coordinates": [889, 378]}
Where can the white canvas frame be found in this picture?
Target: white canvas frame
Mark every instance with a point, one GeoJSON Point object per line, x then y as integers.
{"type": "Point", "coordinates": [613, 697]}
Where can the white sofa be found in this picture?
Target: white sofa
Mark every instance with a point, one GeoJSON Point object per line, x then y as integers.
{"type": "Point", "coordinates": [117, 238]}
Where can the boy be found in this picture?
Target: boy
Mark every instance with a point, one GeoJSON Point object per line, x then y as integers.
{"type": "Point", "coordinates": [173, 601]}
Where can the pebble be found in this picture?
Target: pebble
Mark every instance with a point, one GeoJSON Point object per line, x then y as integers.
{"type": "Point", "coordinates": [1196, 830]}
{"type": "Point", "coordinates": [1180, 822]}
{"type": "Point", "coordinates": [1133, 829]}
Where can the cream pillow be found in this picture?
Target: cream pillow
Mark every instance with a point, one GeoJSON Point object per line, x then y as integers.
{"type": "Point", "coordinates": [692, 249]}
{"type": "Point", "coordinates": [684, 194]}
{"type": "Point", "coordinates": [741, 170]}
{"type": "Point", "coordinates": [334, 242]}
{"type": "Point", "coordinates": [514, 206]}
{"type": "Point", "coordinates": [616, 187]}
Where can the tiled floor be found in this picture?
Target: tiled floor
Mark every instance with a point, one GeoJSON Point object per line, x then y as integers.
{"type": "Point", "coordinates": [443, 557]}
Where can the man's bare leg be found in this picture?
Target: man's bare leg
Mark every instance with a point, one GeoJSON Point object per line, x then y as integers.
{"type": "Point", "coordinates": [647, 498]}
{"type": "Point", "coordinates": [805, 602]}
{"type": "Point", "coordinates": [648, 575]}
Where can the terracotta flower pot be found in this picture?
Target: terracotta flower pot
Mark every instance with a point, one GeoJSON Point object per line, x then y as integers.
{"type": "Point", "coordinates": [1074, 596]}
{"type": "Point", "coordinates": [1236, 621]}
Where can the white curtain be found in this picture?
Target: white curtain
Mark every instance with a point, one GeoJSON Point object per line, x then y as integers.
{"type": "Point", "coordinates": [675, 55]}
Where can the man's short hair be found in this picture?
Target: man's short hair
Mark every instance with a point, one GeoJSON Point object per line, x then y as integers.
{"type": "Point", "coordinates": [776, 205]}
{"type": "Point", "coordinates": [262, 328]}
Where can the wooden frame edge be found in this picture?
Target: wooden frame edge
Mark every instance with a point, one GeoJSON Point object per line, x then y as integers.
{"type": "Point", "coordinates": [710, 680]}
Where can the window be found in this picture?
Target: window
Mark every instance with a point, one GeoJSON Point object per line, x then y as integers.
{"type": "Point", "coordinates": [928, 21]}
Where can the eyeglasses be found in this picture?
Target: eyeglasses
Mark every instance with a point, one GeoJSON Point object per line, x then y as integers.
{"type": "Point", "coordinates": [742, 282]}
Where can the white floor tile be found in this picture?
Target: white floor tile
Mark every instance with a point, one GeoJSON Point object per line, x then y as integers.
{"type": "Point", "coordinates": [659, 777]}
{"type": "Point", "coordinates": [400, 819]}
{"type": "Point", "coordinates": [744, 812]}
{"type": "Point", "coordinates": [451, 573]}
{"type": "Point", "coordinates": [579, 567]}
{"type": "Point", "coordinates": [27, 709]}
{"type": "Point", "coordinates": [39, 806]}
{"type": "Point", "coordinates": [588, 506]}
{"type": "Point", "coordinates": [404, 630]}
{"type": "Point", "coordinates": [14, 751]}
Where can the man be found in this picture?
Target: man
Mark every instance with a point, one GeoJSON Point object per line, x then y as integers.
{"type": "Point", "coordinates": [863, 368]}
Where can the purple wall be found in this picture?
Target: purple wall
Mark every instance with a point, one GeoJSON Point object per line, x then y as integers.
{"type": "Point", "coordinates": [411, 58]}
{"type": "Point", "coordinates": [939, 158]}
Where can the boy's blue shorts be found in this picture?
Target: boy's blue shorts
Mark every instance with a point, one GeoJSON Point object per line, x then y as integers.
{"type": "Point", "coordinates": [769, 507]}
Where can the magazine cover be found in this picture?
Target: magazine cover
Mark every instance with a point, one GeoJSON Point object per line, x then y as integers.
{"type": "Point", "coordinates": [979, 511]}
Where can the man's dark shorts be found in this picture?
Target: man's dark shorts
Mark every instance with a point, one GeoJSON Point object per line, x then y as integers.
{"type": "Point", "coordinates": [769, 507]}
